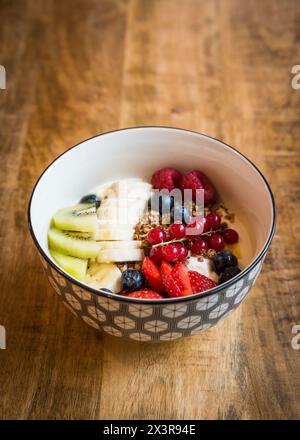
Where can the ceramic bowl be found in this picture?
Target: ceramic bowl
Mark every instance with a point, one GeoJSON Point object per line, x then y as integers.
{"type": "Point", "coordinates": [137, 152]}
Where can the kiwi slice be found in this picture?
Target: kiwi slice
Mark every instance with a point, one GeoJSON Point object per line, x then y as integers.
{"type": "Point", "coordinates": [76, 267]}
{"type": "Point", "coordinates": [70, 244]}
{"type": "Point", "coordinates": [80, 218]}
{"type": "Point", "coordinates": [78, 234]}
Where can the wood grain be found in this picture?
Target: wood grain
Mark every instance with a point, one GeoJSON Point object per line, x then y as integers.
{"type": "Point", "coordinates": [75, 69]}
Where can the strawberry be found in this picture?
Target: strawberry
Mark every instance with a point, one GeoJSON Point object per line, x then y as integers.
{"type": "Point", "coordinates": [146, 294]}
{"type": "Point", "coordinates": [197, 180]}
{"type": "Point", "coordinates": [172, 286]}
{"type": "Point", "coordinates": [199, 282]}
{"type": "Point", "coordinates": [166, 178]}
{"type": "Point", "coordinates": [165, 270]}
{"type": "Point", "coordinates": [180, 274]}
{"type": "Point", "coordinates": [152, 274]}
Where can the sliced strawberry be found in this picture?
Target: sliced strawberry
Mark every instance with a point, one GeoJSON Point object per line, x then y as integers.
{"type": "Point", "coordinates": [173, 287]}
{"type": "Point", "coordinates": [180, 274]}
{"type": "Point", "coordinates": [165, 270]}
{"type": "Point", "coordinates": [152, 274]}
{"type": "Point", "coordinates": [146, 294]}
{"type": "Point", "coordinates": [200, 282]}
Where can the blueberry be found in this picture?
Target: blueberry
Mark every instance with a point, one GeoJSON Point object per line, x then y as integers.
{"type": "Point", "coordinates": [91, 198]}
{"type": "Point", "coordinates": [229, 273]}
{"type": "Point", "coordinates": [222, 260]}
{"type": "Point", "coordinates": [132, 279]}
{"type": "Point", "coordinates": [181, 213]}
{"type": "Point", "coordinates": [162, 203]}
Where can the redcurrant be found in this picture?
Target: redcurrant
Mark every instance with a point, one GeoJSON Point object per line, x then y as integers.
{"type": "Point", "coordinates": [216, 242]}
{"type": "Point", "coordinates": [214, 220]}
{"type": "Point", "coordinates": [170, 252]}
{"type": "Point", "coordinates": [230, 236]}
{"type": "Point", "coordinates": [156, 235]}
{"type": "Point", "coordinates": [182, 252]}
{"type": "Point", "coordinates": [199, 246]}
{"type": "Point", "coordinates": [156, 255]}
{"type": "Point", "coordinates": [176, 231]}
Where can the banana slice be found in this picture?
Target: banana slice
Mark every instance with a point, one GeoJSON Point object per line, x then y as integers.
{"type": "Point", "coordinates": [104, 276]}
{"type": "Point", "coordinates": [114, 232]}
{"type": "Point", "coordinates": [132, 189]}
{"type": "Point", "coordinates": [113, 189]}
{"type": "Point", "coordinates": [131, 244]}
{"type": "Point", "coordinates": [104, 190]}
{"type": "Point", "coordinates": [120, 255]}
{"type": "Point", "coordinates": [121, 211]}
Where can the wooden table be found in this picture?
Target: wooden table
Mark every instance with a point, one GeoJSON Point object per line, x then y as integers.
{"type": "Point", "coordinates": [78, 68]}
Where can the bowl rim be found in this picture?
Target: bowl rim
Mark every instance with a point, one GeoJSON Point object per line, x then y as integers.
{"type": "Point", "coordinates": [127, 299]}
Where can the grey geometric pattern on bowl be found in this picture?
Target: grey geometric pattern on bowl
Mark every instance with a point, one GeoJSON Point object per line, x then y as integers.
{"type": "Point", "coordinates": [148, 322]}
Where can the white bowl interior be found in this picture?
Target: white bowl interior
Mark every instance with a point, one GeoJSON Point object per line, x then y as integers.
{"type": "Point", "coordinates": [138, 152]}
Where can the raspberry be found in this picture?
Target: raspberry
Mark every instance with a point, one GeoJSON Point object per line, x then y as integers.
{"type": "Point", "coordinates": [197, 180]}
{"type": "Point", "coordinates": [199, 282]}
{"type": "Point", "coordinates": [166, 178]}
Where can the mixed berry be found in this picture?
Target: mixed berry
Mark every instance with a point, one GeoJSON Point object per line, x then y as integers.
{"type": "Point", "coordinates": [168, 249]}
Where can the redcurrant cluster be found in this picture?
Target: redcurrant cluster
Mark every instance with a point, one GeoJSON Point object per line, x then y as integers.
{"type": "Point", "coordinates": [210, 235]}
{"type": "Point", "coordinates": [164, 246]}
{"type": "Point", "coordinates": [203, 234]}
